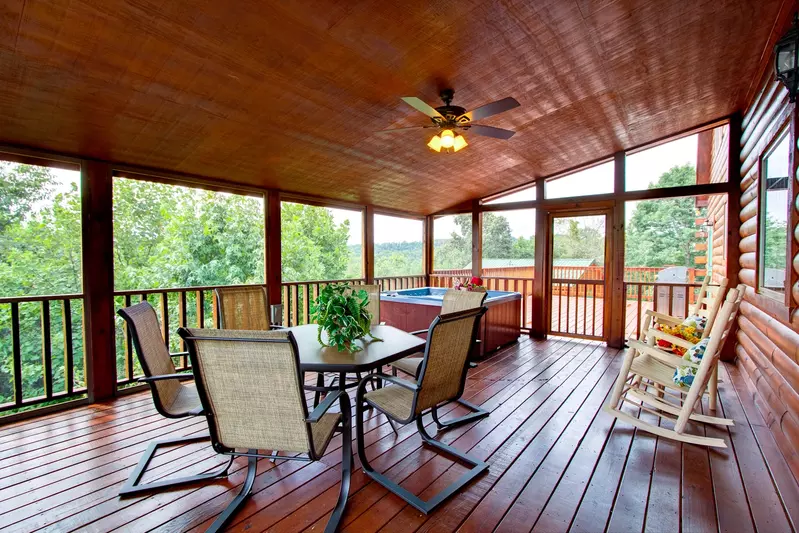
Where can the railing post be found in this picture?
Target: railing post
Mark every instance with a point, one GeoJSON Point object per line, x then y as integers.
{"type": "Point", "coordinates": [98, 278]}
{"type": "Point", "coordinates": [273, 275]}
{"type": "Point", "coordinates": [477, 239]}
{"type": "Point", "coordinates": [427, 246]}
{"type": "Point", "coordinates": [732, 251]}
{"type": "Point", "coordinates": [539, 317]}
{"type": "Point", "coordinates": [369, 244]}
{"type": "Point", "coordinates": [618, 299]}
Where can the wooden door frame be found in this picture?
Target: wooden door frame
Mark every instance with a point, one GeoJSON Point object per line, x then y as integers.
{"type": "Point", "coordinates": [605, 209]}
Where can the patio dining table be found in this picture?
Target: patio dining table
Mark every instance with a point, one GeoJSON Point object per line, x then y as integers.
{"type": "Point", "coordinates": [314, 357]}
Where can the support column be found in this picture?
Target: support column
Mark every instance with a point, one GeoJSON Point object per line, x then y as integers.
{"type": "Point", "coordinates": [427, 248]}
{"type": "Point", "coordinates": [539, 315]}
{"type": "Point", "coordinates": [732, 251]}
{"type": "Point", "coordinates": [369, 244]}
{"type": "Point", "coordinates": [273, 275]}
{"type": "Point", "coordinates": [477, 239]}
{"type": "Point", "coordinates": [615, 270]}
{"type": "Point", "coordinates": [98, 279]}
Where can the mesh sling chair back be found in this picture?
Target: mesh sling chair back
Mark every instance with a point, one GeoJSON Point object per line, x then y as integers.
{"type": "Point", "coordinates": [454, 301]}
{"type": "Point", "coordinates": [442, 378]}
{"type": "Point", "coordinates": [243, 308]}
{"type": "Point", "coordinates": [645, 366]}
{"type": "Point", "coordinates": [172, 397]}
{"type": "Point", "coordinates": [251, 389]}
{"type": "Point", "coordinates": [707, 306]}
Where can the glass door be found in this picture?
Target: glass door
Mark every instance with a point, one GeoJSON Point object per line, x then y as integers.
{"type": "Point", "coordinates": [577, 258]}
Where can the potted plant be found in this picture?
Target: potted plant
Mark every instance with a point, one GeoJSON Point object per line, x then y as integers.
{"type": "Point", "coordinates": [341, 311]}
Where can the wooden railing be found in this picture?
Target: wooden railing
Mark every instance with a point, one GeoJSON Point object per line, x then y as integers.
{"type": "Point", "coordinates": [675, 299]}
{"type": "Point", "coordinates": [577, 308]}
{"type": "Point", "coordinates": [298, 295]}
{"type": "Point", "coordinates": [395, 283]}
{"type": "Point", "coordinates": [41, 351]}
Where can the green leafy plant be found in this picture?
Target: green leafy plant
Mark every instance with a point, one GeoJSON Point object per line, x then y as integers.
{"type": "Point", "coordinates": [341, 311]}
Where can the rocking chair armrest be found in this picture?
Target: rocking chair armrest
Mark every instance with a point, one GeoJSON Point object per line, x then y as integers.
{"type": "Point", "coordinates": [664, 357]}
{"type": "Point", "coordinates": [655, 335]}
{"type": "Point", "coordinates": [323, 407]}
{"type": "Point", "coordinates": [163, 377]}
{"type": "Point", "coordinates": [661, 317]}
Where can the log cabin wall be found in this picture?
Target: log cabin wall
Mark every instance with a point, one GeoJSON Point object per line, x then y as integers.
{"type": "Point", "coordinates": [767, 346]}
{"type": "Point", "coordinates": [717, 204]}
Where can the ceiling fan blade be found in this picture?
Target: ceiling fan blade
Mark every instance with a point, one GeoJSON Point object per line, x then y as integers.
{"type": "Point", "coordinates": [494, 108]}
{"type": "Point", "coordinates": [419, 105]}
{"type": "Point", "coordinates": [392, 130]}
{"type": "Point", "coordinates": [490, 131]}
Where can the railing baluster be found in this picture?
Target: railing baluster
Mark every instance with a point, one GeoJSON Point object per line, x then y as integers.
{"type": "Point", "coordinates": [200, 303]}
{"type": "Point", "coordinates": [164, 303]}
{"type": "Point", "coordinates": [182, 324]}
{"type": "Point", "coordinates": [66, 310]}
{"type": "Point", "coordinates": [639, 318]}
{"type": "Point", "coordinates": [128, 344]}
{"type": "Point", "coordinates": [306, 304]}
{"type": "Point", "coordinates": [585, 309]}
{"type": "Point", "coordinates": [295, 306]}
{"type": "Point", "coordinates": [16, 353]}
{"type": "Point", "coordinates": [47, 353]}
{"type": "Point", "coordinates": [568, 306]}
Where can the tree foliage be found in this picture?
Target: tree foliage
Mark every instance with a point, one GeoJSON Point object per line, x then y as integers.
{"type": "Point", "coordinates": [663, 232]}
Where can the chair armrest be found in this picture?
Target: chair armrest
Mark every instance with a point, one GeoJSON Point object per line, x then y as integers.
{"type": "Point", "coordinates": [163, 377]}
{"type": "Point", "coordinates": [655, 335]}
{"type": "Point", "coordinates": [396, 381]}
{"type": "Point", "coordinates": [664, 357]}
{"type": "Point", "coordinates": [660, 317]}
{"type": "Point", "coordinates": [323, 407]}
{"type": "Point", "coordinates": [418, 332]}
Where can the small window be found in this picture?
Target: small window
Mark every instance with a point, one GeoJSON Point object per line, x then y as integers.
{"type": "Point", "coordinates": [589, 181]}
{"type": "Point", "coordinates": [522, 195]}
{"type": "Point", "coordinates": [774, 176]}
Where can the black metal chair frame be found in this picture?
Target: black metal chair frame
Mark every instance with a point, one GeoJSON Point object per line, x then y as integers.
{"type": "Point", "coordinates": [476, 467]}
{"type": "Point", "coordinates": [132, 487]}
{"type": "Point", "coordinates": [477, 411]}
{"type": "Point", "coordinates": [343, 427]}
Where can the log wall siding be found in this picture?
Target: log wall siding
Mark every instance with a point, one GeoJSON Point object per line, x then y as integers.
{"type": "Point", "coordinates": [767, 346]}
{"type": "Point", "coordinates": [717, 205]}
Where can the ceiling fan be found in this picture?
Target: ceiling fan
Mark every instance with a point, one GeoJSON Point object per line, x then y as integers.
{"type": "Point", "coordinates": [452, 117]}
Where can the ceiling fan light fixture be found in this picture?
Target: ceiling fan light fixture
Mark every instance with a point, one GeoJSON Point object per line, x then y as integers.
{"type": "Point", "coordinates": [460, 142]}
{"type": "Point", "coordinates": [447, 139]}
{"type": "Point", "coordinates": [435, 143]}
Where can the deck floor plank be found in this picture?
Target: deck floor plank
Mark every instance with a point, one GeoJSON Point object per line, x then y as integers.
{"type": "Point", "coordinates": [557, 463]}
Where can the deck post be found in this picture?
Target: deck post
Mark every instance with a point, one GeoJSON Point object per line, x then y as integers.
{"type": "Point", "coordinates": [369, 244]}
{"type": "Point", "coordinates": [477, 239]}
{"type": "Point", "coordinates": [273, 275]}
{"type": "Point", "coordinates": [732, 252]}
{"type": "Point", "coordinates": [539, 315]}
{"type": "Point", "coordinates": [618, 299]}
{"type": "Point", "coordinates": [427, 248]}
{"type": "Point", "coordinates": [98, 278]}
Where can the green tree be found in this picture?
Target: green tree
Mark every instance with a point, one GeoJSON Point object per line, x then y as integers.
{"type": "Point", "coordinates": [313, 246]}
{"type": "Point", "coordinates": [662, 232]}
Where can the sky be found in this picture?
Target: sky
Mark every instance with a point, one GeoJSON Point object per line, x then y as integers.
{"type": "Point", "coordinates": [642, 168]}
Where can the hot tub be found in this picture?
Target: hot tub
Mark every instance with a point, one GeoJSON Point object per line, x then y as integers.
{"type": "Point", "coordinates": [415, 309]}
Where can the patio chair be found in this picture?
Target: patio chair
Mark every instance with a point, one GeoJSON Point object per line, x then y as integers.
{"type": "Point", "coordinates": [645, 365]}
{"type": "Point", "coordinates": [454, 301]}
{"type": "Point", "coordinates": [707, 306]}
{"type": "Point", "coordinates": [441, 379]}
{"type": "Point", "coordinates": [250, 386]}
{"type": "Point", "coordinates": [243, 308]}
{"type": "Point", "coordinates": [172, 397]}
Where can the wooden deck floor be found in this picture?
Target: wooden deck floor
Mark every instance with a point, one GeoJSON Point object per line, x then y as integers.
{"type": "Point", "coordinates": [557, 463]}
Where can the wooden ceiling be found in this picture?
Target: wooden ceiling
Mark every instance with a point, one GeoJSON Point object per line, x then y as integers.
{"type": "Point", "coordinates": [287, 95]}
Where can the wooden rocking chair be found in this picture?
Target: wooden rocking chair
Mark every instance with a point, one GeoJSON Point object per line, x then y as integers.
{"type": "Point", "coordinates": [707, 306]}
{"type": "Point", "coordinates": [647, 366]}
